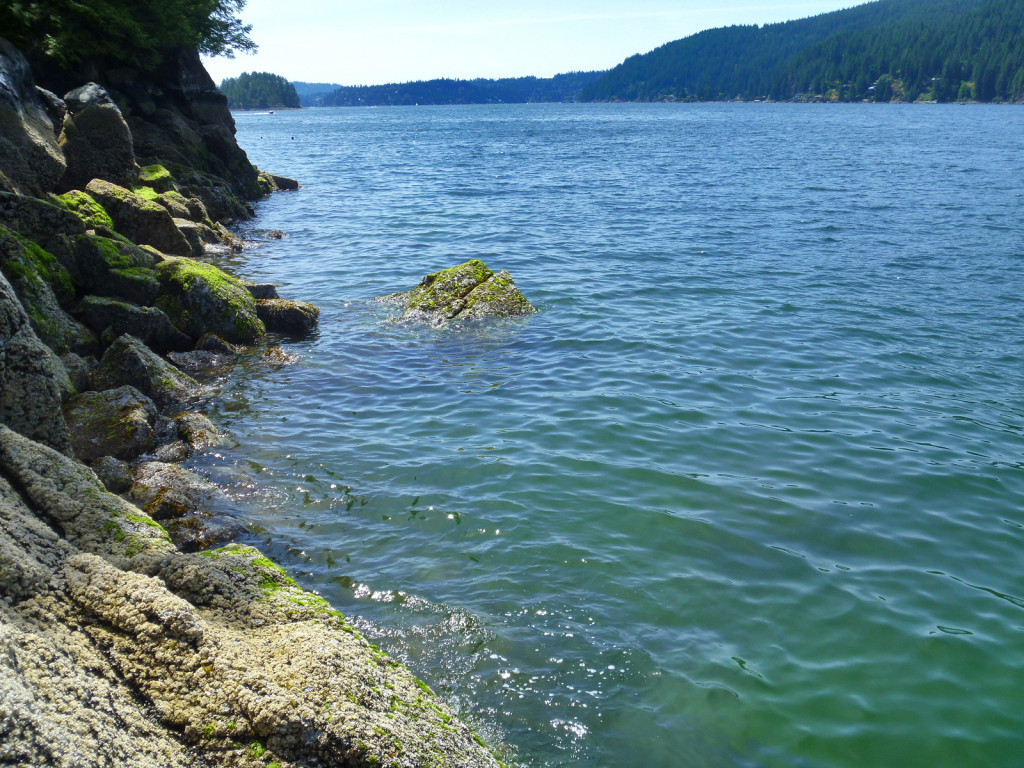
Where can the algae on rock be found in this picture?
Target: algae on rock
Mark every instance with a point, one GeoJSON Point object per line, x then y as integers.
{"type": "Point", "coordinates": [200, 298]}
{"type": "Point", "coordinates": [469, 291]}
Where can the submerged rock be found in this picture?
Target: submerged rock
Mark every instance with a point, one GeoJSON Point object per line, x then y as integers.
{"type": "Point", "coordinates": [469, 291]}
{"type": "Point", "coordinates": [195, 512]}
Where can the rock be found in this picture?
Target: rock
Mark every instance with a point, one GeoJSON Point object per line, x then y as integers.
{"type": "Point", "coordinates": [198, 235]}
{"type": "Point", "coordinates": [147, 324]}
{"type": "Point", "coordinates": [198, 431]}
{"type": "Point", "coordinates": [32, 378]}
{"type": "Point", "coordinates": [200, 298]}
{"type": "Point", "coordinates": [89, 212]}
{"type": "Point", "coordinates": [41, 221]}
{"type": "Point", "coordinates": [157, 178]}
{"type": "Point", "coordinates": [129, 361]}
{"type": "Point", "coordinates": [180, 120]}
{"type": "Point", "coordinates": [194, 511]}
{"type": "Point", "coordinates": [275, 234]}
{"type": "Point", "coordinates": [96, 140]}
{"type": "Point", "coordinates": [261, 290]}
{"type": "Point", "coordinates": [469, 291]}
{"type": "Point", "coordinates": [78, 369]}
{"type": "Point", "coordinates": [54, 106]}
{"type": "Point", "coordinates": [283, 183]}
{"type": "Point", "coordinates": [175, 205]}
{"type": "Point", "coordinates": [42, 285]}
{"type": "Point", "coordinates": [286, 315]}
{"type": "Point", "coordinates": [114, 267]}
{"type": "Point", "coordinates": [199, 360]}
{"type": "Point", "coordinates": [118, 422]}
{"type": "Point", "coordinates": [211, 342]}
{"type": "Point", "coordinates": [275, 357]}
{"type": "Point", "coordinates": [30, 156]}
{"type": "Point", "coordinates": [183, 657]}
{"type": "Point", "coordinates": [116, 475]}
{"type": "Point", "coordinates": [141, 221]}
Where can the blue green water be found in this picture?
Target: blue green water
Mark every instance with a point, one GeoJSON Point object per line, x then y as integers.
{"type": "Point", "coordinates": [747, 491]}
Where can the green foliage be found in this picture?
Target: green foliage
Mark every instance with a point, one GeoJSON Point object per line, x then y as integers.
{"type": "Point", "coordinates": [890, 50]}
{"type": "Point", "coordinates": [518, 90]}
{"type": "Point", "coordinates": [259, 90]}
{"type": "Point", "coordinates": [135, 32]}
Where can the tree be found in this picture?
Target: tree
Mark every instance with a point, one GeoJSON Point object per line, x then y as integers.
{"type": "Point", "coordinates": [134, 32]}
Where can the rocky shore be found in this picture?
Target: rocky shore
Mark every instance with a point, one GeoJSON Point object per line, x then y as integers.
{"type": "Point", "coordinates": [132, 630]}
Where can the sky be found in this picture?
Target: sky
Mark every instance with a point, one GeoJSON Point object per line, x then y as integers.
{"type": "Point", "coordinates": [389, 41]}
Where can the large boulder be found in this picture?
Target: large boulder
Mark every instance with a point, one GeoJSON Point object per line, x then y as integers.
{"type": "Point", "coordinates": [141, 221]}
{"type": "Point", "coordinates": [148, 324]}
{"type": "Point", "coordinates": [469, 291]}
{"type": "Point", "coordinates": [200, 298]}
{"type": "Point", "coordinates": [32, 378]}
{"type": "Point", "coordinates": [118, 422]}
{"type": "Point", "coordinates": [43, 285]}
{"type": "Point", "coordinates": [129, 361]}
{"type": "Point", "coordinates": [96, 140]}
{"type": "Point", "coordinates": [30, 156]}
{"type": "Point", "coordinates": [287, 315]}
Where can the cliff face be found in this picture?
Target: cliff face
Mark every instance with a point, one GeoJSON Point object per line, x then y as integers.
{"type": "Point", "coordinates": [120, 643]}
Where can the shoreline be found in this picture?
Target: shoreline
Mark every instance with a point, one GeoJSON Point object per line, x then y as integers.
{"type": "Point", "coordinates": [117, 585]}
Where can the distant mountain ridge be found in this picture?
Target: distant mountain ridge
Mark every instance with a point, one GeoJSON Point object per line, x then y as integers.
{"type": "Point", "coordinates": [889, 50]}
{"type": "Point", "coordinates": [513, 90]}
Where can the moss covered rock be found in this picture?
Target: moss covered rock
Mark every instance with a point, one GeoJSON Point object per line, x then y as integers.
{"type": "Point", "coordinates": [156, 177]}
{"type": "Point", "coordinates": [92, 215]}
{"type": "Point", "coordinates": [43, 285]}
{"type": "Point", "coordinates": [141, 221]}
{"type": "Point", "coordinates": [469, 291]}
{"type": "Point", "coordinates": [287, 315]}
{"type": "Point", "coordinates": [148, 324]}
{"type": "Point", "coordinates": [118, 423]}
{"type": "Point", "coordinates": [32, 378]}
{"type": "Point", "coordinates": [129, 361]}
{"type": "Point", "coordinates": [201, 298]}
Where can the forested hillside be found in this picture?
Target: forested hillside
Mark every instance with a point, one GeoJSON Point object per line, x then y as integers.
{"type": "Point", "coordinates": [518, 90]}
{"type": "Point", "coordinates": [259, 90]}
{"type": "Point", "coordinates": [890, 50]}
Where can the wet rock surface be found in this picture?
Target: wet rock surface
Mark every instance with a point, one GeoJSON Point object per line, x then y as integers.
{"type": "Point", "coordinates": [182, 653]}
{"type": "Point", "coordinates": [287, 315]}
{"type": "Point", "coordinates": [118, 422]}
{"type": "Point", "coordinates": [129, 361]}
{"type": "Point", "coordinates": [201, 298]}
{"type": "Point", "coordinates": [467, 292]}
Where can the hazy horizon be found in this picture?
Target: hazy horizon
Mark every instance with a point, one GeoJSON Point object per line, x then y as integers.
{"type": "Point", "coordinates": [402, 41]}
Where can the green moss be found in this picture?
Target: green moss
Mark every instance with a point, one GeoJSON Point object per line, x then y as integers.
{"type": "Point", "coordinates": [24, 260]}
{"type": "Point", "coordinates": [148, 193]}
{"type": "Point", "coordinates": [91, 213]}
{"type": "Point", "coordinates": [443, 288]}
{"type": "Point", "coordinates": [156, 176]}
{"type": "Point", "coordinates": [199, 297]}
{"type": "Point", "coordinates": [256, 750]}
{"type": "Point", "coordinates": [209, 730]}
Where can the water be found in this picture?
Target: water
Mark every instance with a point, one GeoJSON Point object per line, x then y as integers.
{"type": "Point", "coordinates": [747, 491]}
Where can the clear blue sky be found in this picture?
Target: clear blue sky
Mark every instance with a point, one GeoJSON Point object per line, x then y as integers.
{"type": "Point", "coordinates": [383, 41]}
